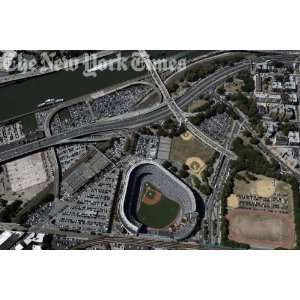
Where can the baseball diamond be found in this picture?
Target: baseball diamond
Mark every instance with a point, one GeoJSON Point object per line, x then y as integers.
{"type": "Point", "coordinates": [156, 210]}
{"type": "Point", "coordinates": [156, 202]}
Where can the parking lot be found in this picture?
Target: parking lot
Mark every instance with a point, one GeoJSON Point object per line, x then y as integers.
{"type": "Point", "coordinates": [217, 126]}
{"type": "Point", "coordinates": [90, 210]}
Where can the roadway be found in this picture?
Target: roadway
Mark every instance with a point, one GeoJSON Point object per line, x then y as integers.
{"type": "Point", "coordinates": [179, 113]}
{"type": "Point", "coordinates": [88, 98]}
{"type": "Point", "coordinates": [213, 203]}
{"type": "Point", "coordinates": [131, 120]}
{"type": "Point", "coordinates": [127, 121]}
{"type": "Point", "coordinates": [89, 240]}
{"type": "Point", "coordinates": [262, 146]}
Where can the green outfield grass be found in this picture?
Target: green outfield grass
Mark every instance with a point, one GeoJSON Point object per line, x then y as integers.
{"type": "Point", "coordinates": [157, 215]}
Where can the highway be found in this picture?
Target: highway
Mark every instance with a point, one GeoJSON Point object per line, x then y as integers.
{"type": "Point", "coordinates": [131, 120]}
{"type": "Point", "coordinates": [127, 121]}
{"type": "Point", "coordinates": [87, 99]}
{"type": "Point", "coordinates": [178, 113]}
{"type": "Point", "coordinates": [213, 205]}
{"type": "Point", "coordinates": [261, 145]}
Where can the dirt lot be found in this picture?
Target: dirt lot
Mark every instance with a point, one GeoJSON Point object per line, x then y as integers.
{"type": "Point", "coordinates": [261, 229]}
{"type": "Point", "coordinates": [186, 146]}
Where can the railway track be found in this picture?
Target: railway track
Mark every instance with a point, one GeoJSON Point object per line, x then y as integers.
{"type": "Point", "coordinates": [139, 241]}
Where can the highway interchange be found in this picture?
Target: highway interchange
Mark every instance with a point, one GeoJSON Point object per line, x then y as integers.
{"type": "Point", "coordinates": [127, 121]}
{"type": "Point", "coordinates": [149, 116]}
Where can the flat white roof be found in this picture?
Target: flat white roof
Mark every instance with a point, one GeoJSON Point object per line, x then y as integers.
{"type": "Point", "coordinates": [36, 247]}
{"type": "Point", "coordinates": [26, 172]}
{"type": "Point", "coordinates": [267, 95]}
{"type": "Point", "coordinates": [5, 236]}
{"type": "Point", "coordinates": [18, 247]}
{"type": "Point", "coordinates": [294, 137]}
{"type": "Point", "coordinates": [34, 237]}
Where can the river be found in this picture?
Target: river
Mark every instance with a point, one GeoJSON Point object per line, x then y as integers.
{"type": "Point", "coordinates": [24, 96]}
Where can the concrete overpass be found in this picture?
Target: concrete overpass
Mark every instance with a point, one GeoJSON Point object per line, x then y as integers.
{"type": "Point", "coordinates": [88, 98]}
{"type": "Point", "coordinates": [131, 120]}
{"type": "Point", "coordinates": [179, 114]}
{"type": "Point", "coordinates": [127, 121]}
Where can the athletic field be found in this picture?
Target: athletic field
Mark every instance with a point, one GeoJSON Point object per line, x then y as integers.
{"type": "Point", "coordinates": [261, 228]}
{"type": "Point", "coordinates": [156, 210]}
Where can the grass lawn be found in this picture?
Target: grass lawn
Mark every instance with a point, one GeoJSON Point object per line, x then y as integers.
{"type": "Point", "coordinates": [181, 150]}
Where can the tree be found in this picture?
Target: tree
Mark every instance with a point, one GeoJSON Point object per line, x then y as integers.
{"type": "Point", "coordinates": [169, 124]}
{"type": "Point", "coordinates": [229, 80]}
{"type": "Point", "coordinates": [205, 189]}
{"type": "Point", "coordinates": [196, 181]}
{"type": "Point", "coordinates": [220, 108]}
{"type": "Point", "coordinates": [166, 164]}
{"type": "Point", "coordinates": [183, 173]}
{"type": "Point", "coordinates": [254, 141]}
{"type": "Point", "coordinates": [287, 127]}
{"type": "Point", "coordinates": [162, 132]}
{"type": "Point", "coordinates": [247, 134]}
{"type": "Point", "coordinates": [174, 88]}
{"type": "Point", "coordinates": [221, 90]}
{"type": "Point", "coordinates": [173, 169]}
{"type": "Point", "coordinates": [185, 167]}
{"type": "Point", "coordinates": [10, 211]}
{"type": "Point", "coordinates": [252, 110]}
{"type": "Point", "coordinates": [268, 141]}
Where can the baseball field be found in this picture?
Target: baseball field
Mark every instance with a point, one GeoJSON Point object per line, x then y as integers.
{"type": "Point", "coordinates": [187, 150]}
{"type": "Point", "coordinates": [263, 187]}
{"type": "Point", "coordinates": [260, 229]}
{"type": "Point", "coordinates": [156, 210]}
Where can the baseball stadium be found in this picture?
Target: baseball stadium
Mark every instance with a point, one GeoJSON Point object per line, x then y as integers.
{"type": "Point", "coordinates": [156, 202]}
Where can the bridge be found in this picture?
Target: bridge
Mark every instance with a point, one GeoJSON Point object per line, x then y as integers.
{"type": "Point", "coordinates": [179, 114]}
{"type": "Point", "coordinates": [134, 119]}
{"type": "Point", "coordinates": [127, 121]}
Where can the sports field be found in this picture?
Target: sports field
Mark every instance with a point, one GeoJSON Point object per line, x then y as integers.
{"type": "Point", "coordinates": [263, 187]}
{"type": "Point", "coordinates": [261, 229]}
{"type": "Point", "coordinates": [156, 210]}
{"type": "Point", "coordinates": [186, 146]}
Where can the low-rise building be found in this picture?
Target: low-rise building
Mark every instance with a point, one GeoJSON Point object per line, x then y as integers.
{"type": "Point", "coordinates": [267, 97]}
{"type": "Point", "coordinates": [281, 140]}
{"type": "Point", "coordinates": [86, 168]}
{"type": "Point", "coordinates": [294, 139]}
{"type": "Point", "coordinates": [28, 171]}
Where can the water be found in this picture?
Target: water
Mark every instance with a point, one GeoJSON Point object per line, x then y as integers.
{"type": "Point", "coordinates": [23, 97]}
